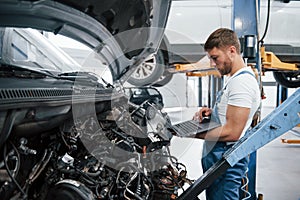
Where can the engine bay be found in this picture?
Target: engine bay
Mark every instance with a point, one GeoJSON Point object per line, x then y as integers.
{"type": "Point", "coordinates": [90, 145]}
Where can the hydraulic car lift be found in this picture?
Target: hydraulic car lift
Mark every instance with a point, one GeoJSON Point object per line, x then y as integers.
{"type": "Point", "coordinates": [285, 117]}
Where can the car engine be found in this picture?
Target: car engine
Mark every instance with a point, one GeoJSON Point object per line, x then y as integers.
{"type": "Point", "coordinates": [110, 149]}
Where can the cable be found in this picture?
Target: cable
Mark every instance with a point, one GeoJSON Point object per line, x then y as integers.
{"type": "Point", "coordinates": [131, 192]}
{"type": "Point", "coordinates": [244, 187]}
{"type": "Point", "coordinates": [41, 166]}
{"type": "Point", "coordinates": [17, 168]}
{"type": "Point", "coordinates": [10, 175]}
{"type": "Point", "coordinates": [267, 23]}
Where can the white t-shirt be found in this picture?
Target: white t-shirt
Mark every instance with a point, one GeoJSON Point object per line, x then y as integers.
{"type": "Point", "coordinates": [241, 90]}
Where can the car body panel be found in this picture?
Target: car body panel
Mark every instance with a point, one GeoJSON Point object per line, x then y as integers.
{"type": "Point", "coordinates": [90, 23]}
{"type": "Point", "coordinates": [186, 40]}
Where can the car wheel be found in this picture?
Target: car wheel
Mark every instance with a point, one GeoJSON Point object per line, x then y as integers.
{"type": "Point", "coordinates": [288, 79]}
{"type": "Point", "coordinates": [164, 79]}
{"type": "Point", "coordinates": [149, 71]}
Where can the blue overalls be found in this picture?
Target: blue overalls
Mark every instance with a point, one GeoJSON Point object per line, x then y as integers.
{"type": "Point", "coordinates": [226, 186]}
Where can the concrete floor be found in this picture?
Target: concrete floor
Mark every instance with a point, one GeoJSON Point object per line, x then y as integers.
{"type": "Point", "coordinates": [278, 164]}
{"type": "Point", "coordinates": [278, 169]}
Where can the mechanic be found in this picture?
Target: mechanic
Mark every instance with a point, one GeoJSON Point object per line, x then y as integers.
{"type": "Point", "coordinates": [235, 106]}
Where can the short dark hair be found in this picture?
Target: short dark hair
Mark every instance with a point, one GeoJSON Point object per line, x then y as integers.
{"type": "Point", "coordinates": [222, 37]}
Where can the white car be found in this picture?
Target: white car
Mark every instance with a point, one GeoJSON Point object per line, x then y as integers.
{"type": "Point", "coordinates": [65, 134]}
{"type": "Point", "coordinates": [191, 21]}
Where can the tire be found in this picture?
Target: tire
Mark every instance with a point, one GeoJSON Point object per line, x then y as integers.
{"type": "Point", "coordinates": [287, 79]}
{"type": "Point", "coordinates": [164, 79]}
{"type": "Point", "coordinates": [149, 71]}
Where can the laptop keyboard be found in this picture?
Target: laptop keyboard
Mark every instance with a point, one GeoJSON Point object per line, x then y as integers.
{"type": "Point", "coordinates": [191, 128]}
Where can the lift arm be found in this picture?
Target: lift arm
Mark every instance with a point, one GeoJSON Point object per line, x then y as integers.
{"type": "Point", "coordinates": [272, 62]}
{"type": "Point", "coordinates": [202, 68]}
{"type": "Point", "coordinates": [199, 69]}
{"type": "Point", "coordinates": [283, 118]}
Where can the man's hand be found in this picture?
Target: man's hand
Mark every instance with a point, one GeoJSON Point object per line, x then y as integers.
{"type": "Point", "coordinates": [203, 112]}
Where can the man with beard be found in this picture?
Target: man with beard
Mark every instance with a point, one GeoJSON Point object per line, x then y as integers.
{"type": "Point", "coordinates": [235, 106]}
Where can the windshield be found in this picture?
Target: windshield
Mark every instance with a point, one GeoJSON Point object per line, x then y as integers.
{"type": "Point", "coordinates": [45, 52]}
{"type": "Point", "coordinates": [89, 59]}
{"type": "Point", "coordinates": [30, 48]}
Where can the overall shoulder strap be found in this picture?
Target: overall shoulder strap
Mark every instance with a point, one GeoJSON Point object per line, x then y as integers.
{"type": "Point", "coordinates": [240, 73]}
{"type": "Point", "coordinates": [245, 72]}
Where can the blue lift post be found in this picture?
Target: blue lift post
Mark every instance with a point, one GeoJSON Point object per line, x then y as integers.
{"type": "Point", "coordinates": [285, 117]}
{"type": "Point", "coordinates": [245, 23]}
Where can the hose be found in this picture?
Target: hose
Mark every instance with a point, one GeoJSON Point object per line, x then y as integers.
{"type": "Point", "coordinates": [131, 192]}
{"type": "Point", "coordinates": [267, 23]}
{"type": "Point", "coordinates": [10, 174]}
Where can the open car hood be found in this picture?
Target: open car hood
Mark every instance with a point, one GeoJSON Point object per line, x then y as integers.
{"type": "Point", "coordinates": [124, 32]}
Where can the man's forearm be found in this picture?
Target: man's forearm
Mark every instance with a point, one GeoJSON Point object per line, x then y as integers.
{"type": "Point", "coordinates": [222, 133]}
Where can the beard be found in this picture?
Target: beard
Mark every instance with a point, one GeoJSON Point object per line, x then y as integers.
{"type": "Point", "coordinates": [226, 69]}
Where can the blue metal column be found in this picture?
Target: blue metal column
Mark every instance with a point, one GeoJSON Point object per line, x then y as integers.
{"type": "Point", "coordinates": [244, 23]}
{"type": "Point", "coordinates": [282, 93]}
{"type": "Point", "coordinates": [200, 95]}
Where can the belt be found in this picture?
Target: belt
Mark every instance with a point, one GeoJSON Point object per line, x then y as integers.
{"type": "Point", "coordinates": [230, 143]}
{"type": "Point", "coordinates": [222, 144]}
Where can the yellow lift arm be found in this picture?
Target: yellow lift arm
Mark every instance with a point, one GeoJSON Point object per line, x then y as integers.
{"type": "Point", "coordinates": [271, 61]}
{"type": "Point", "coordinates": [202, 68]}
